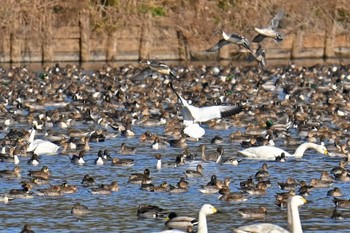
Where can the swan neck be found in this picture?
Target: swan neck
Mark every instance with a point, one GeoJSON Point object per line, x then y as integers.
{"type": "Point", "coordinates": [32, 135]}
{"type": "Point", "coordinates": [299, 152]}
{"type": "Point", "coordinates": [294, 223]}
{"type": "Point", "coordinates": [202, 223]}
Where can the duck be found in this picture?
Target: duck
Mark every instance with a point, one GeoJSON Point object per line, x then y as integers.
{"type": "Point", "coordinates": [78, 159]}
{"type": "Point", "coordinates": [335, 192]}
{"type": "Point", "coordinates": [79, 209]}
{"type": "Point", "coordinates": [180, 160]}
{"type": "Point", "coordinates": [99, 160]}
{"type": "Point", "coordinates": [43, 173]}
{"type": "Point", "coordinates": [138, 178]}
{"type": "Point", "coordinates": [232, 160]}
{"type": "Point", "coordinates": [318, 183]}
{"type": "Point", "coordinates": [294, 223]}
{"type": "Point", "coordinates": [269, 152]}
{"type": "Point", "coordinates": [215, 187]}
{"type": "Point", "coordinates": [10, 174]}
{"type": "Point", "coordinates": [159, 144]}
{"type": "Point", "coordinates": [181, 186]}
{"type": "Point", "coordinates": [259, 212]}
{"type": "Point", "coordinates": [10, 157]}
{"type": "Point", "coordinates": [5, 198]}
{"type": "Point", "coordinates": [151, 211]}
{"type": "Point", "coordinates": [40, 146]}
{"type": "Point", "coordinates": [88, 181]}
{"type": "Point", "coordinates": [34, 160]}
{"type": "Point", "coordinates": [259, 55]}
{"type": "Point", "coordinates": [290, 184]}
{"type": "Point", "coordinates": [270, 30]}
{"type": "Point", "coordinates": [228, 196]}
{"type": "Point", "coordinates": [195, 173]}
{"type": "Point", "coordinates": [27, 229]}
{"type": "Point", "coordinates": [52, 191]}
{"type": "Point", "coordinates": [341, 203]}
{"type": "Point", "coordinates": [122, 162]}
{"type": "Point", "coordinates": [106, 189]}
{"type": "Point", "coordinates": [282, 198]}
{"type": "Point", "coordinates": [159, 67]}
{"type": "Point", "coordinates": [216, 157]}
{"type": "Point", "coordinates": [175, 221]}
{"type": "Point", "coordinates": [262, 172]}
{"type": "Point", "coordinates": [230, 39]}
{"type": "Point", "coordinates": [68, 189]}
{"type": "Point", "coordinates": [259, 189]}
{"type": "Point", "coordinates": [127, 150]}
{"type": "Point", "coordinates": [281, 158]}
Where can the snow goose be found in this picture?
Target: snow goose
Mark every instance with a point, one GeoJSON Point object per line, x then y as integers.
{"type": "Point", "coordinates": [294, 224]}
{"type": "Point", "coordinates": [269, 152]}
{"type": "Point", "coordinates": [40, 146]}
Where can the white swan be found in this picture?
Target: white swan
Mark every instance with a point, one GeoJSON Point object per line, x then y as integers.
{"type": "Point", "coordinates": [270, 152]}
{"type": "Point", "coordinates": [39, 146]}
{"type": "Point", "coordinates": [294, 224]}
{"type": "Point", "coordinates": [205, 210]}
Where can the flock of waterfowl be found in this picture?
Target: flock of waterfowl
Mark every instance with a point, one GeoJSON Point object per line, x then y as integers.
{"type": "Point", "coordinates": [89, 136]}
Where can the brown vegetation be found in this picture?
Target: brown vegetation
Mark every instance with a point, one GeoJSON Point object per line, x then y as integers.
{"type": "Point", "coordinates": [196, 20]}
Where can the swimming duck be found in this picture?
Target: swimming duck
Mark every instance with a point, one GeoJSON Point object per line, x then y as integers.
{"type": "Point", "coordinates": [269, 152]}
{"type": "Point", "coordinates": [290, 184]}
{"type": "Point", "coordinates": [79, 209]}
{"type": "Point", "coordinates": [337, 215]}
{"type": "Point", "coordinates": [27, 229]}
{"type": "Point", "coordinates": [127, 150]}
{"type": "Point", "coordinates": [43, 173]}
{"type": "Point", "coordinates": [122, 162]}
{"type": "Point", "coordinates": [281, 158]}
{"type": "Point", "coordinates": [175, 221]}
{"type": "Point", "coordinates": [216, 140]}
{"type": "Point", "coordinates": [5, 198]}
{"type": "Point", "coordinates": [262, 172]}
{"type": "Point", "coordinates": [14, 173]}
{"type": "Point", "coordinates": [195, 173]}
{"type": "Point", "coordinates": [150, 211]}
{"type": "Point", "coordinates": [335, 192]}
{"type": "Point", "coordinates": [34, 160]}
{"type": "Point", "coordinates": [180, 160]}
{"type": "Point", "coordinates": [88, 181]}
{"type": "Point", "coordinates": [99, 160]}
{"type": "Point", "coordinates": [52, 191]}
{"type": "Point", "coordinates": [232, 160]}
{"type": "Point", "coordinates": [228, 196]}
{"type": "Point", "coordinates": [159, 144]}
{"type": "Point", "coordinates": [341, 203]}
{"type": "Point", "coordinates": [259, 212]}
{"type": "Point", "coordinates": [138, 178]}
{"type": "Point", "coordinates": [259, 189]}
{"type": "Point", "coordinates": [217, 156]}
{"type": "Point", "coordinates": [181, 186]}
{"type": "Point", "coordinates": [214, 187]}
{"type": "Point", "coordinates": [282, 198]}
{"type": "Point", "coordinates": [294, 224]}
{"type": "Point", "coordinates": [78, 159]}
{"type": "Point", "coordinates": [318, 183]}
{"type": "Point", "coordinates": [68, 189]}
{"type": "Point", "coordinates": [338, 170]}
{"type": "Point", "coordinates": [270, 30]}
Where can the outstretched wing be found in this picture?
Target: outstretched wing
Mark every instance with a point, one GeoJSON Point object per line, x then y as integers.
{"type": "Point", "coordinates": [211, 112]}
{"type": "Point", "coordinates": [218, 45]}
{"type": "Point", "coordinates": [258, 38]}
{"type": "Point", "coordinates": [273, 24]}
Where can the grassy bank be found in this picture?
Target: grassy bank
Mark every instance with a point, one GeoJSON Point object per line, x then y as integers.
{"type": "Point", "coordinates": [195, 19]}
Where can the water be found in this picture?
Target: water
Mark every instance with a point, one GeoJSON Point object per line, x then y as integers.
{"type": "Point", "coordinates": [117, 212]}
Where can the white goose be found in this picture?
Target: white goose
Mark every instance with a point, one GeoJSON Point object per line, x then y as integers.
{"type": "Point", "coordinates": [39, 146]}
{"type": "Point", "coordinates": [205, 210]}
{"type": "Point", "coordinates": [294, 223]}
{"type": "Point", "coordinates": [269, 152]}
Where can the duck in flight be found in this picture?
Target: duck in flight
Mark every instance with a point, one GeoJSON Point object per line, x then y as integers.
{"type": "Point", "coordinates": [159, 67]}
{"type": "Point", "coordinates": [259, 56]}
{"type": "Point", "coordinates": [230, 39]}
{"type": "Point", "coordinates": [270, 30]}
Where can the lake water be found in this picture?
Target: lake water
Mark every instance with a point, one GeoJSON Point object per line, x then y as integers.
{"type": "Point", "coordinates": [117, 212]}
